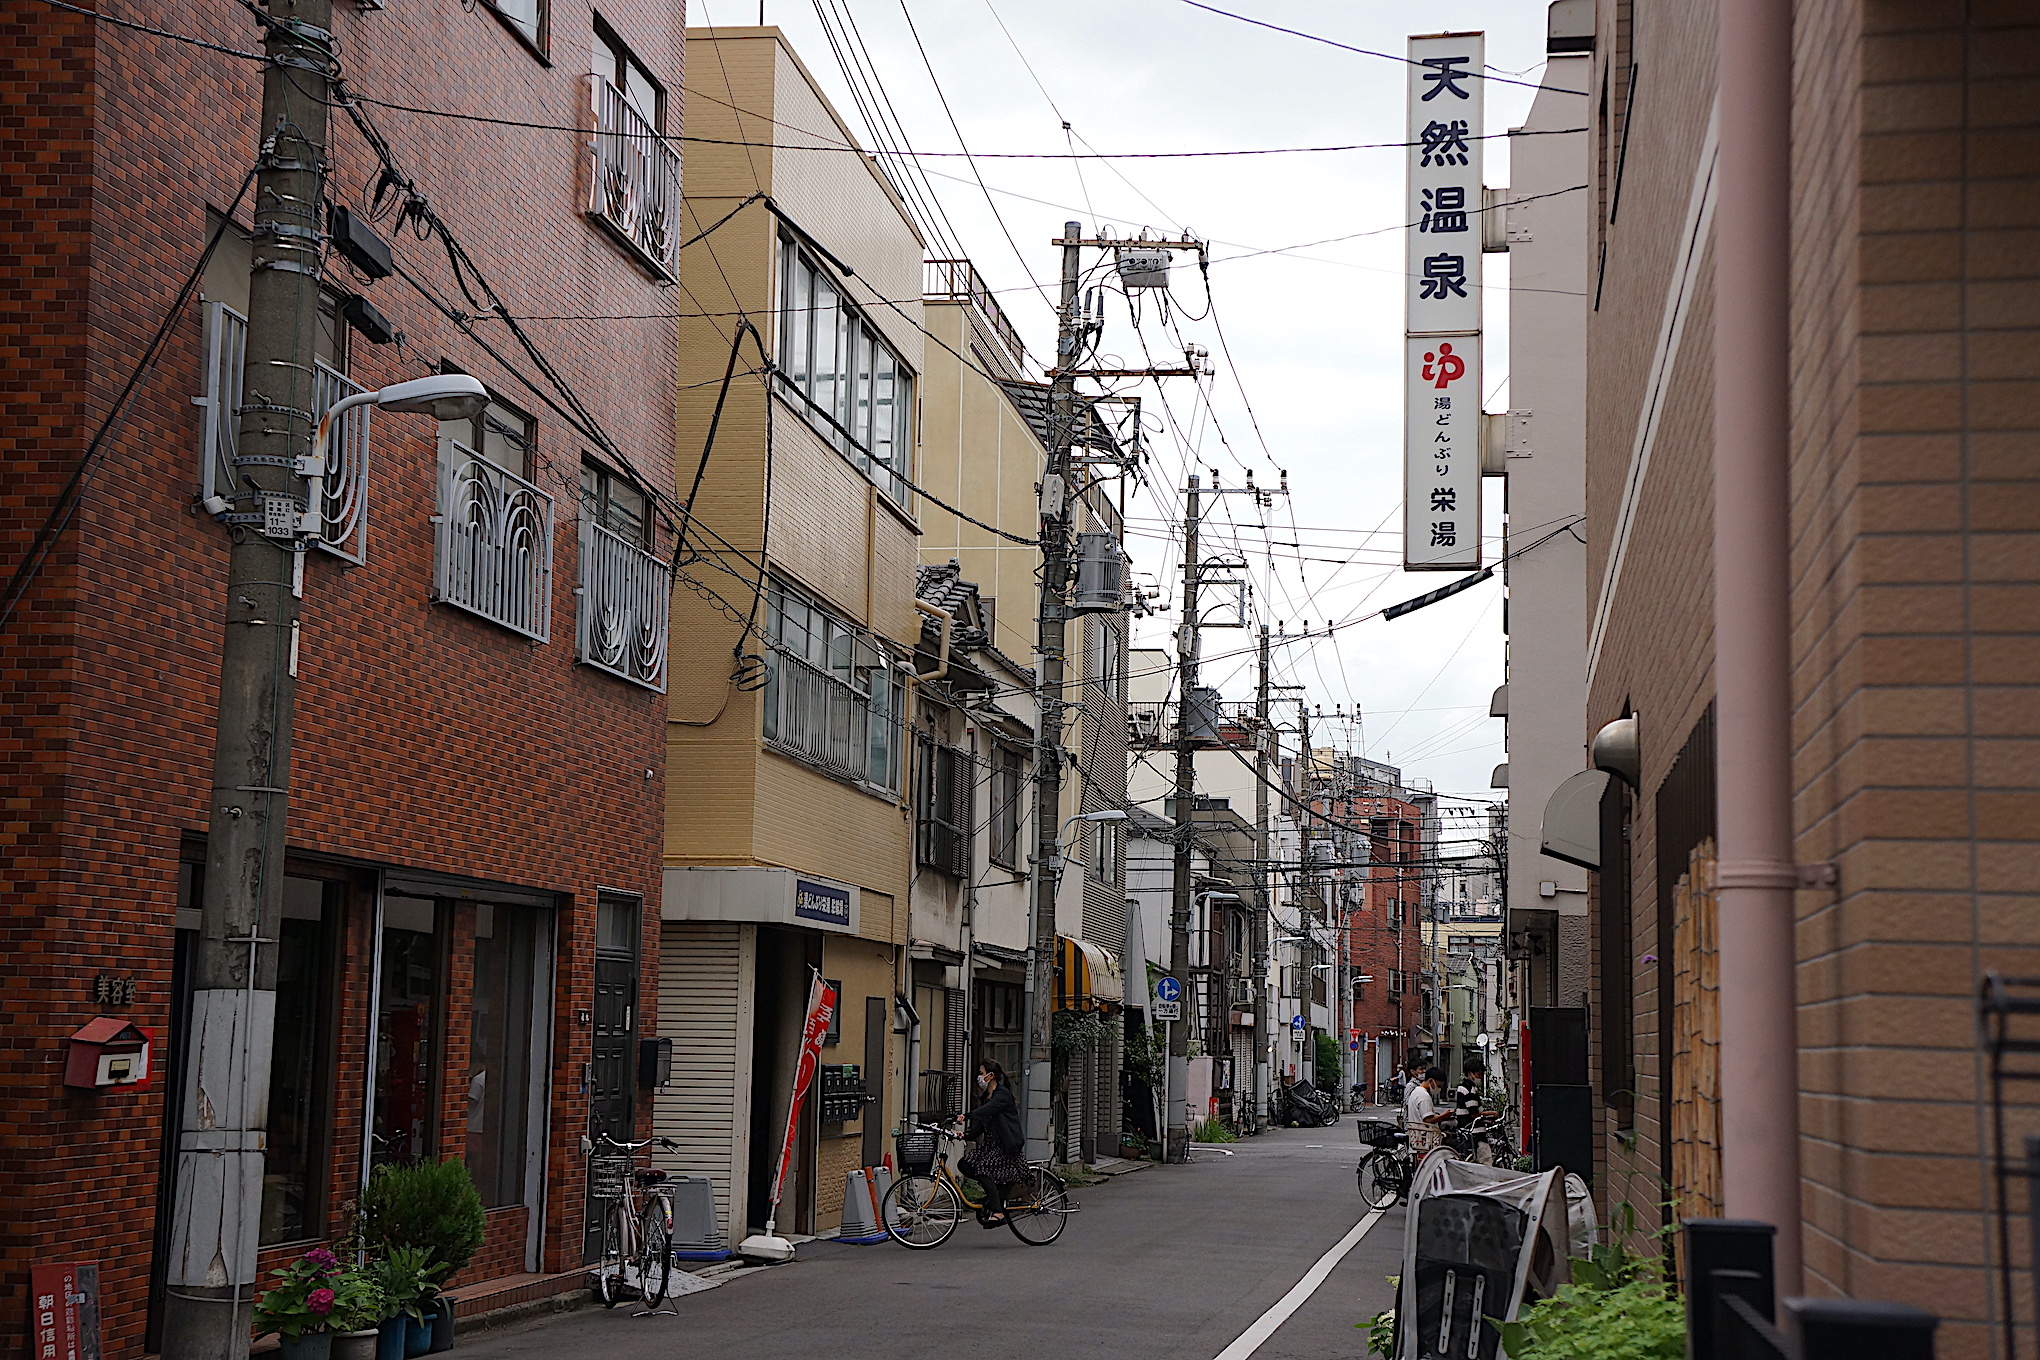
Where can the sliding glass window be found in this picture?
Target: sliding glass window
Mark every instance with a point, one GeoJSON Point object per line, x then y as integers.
{"type": "Point", "coordinates": [506, 1047]}
{"type": "Point", "coordinates": [836, 368]}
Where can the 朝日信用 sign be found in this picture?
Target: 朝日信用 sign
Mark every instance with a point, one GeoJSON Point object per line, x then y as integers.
{"type": "Point", "coordinates": [1441, 304]}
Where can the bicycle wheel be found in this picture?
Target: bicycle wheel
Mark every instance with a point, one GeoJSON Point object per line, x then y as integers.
{"type": "Point", "coordinates": [1380, 1180]}
{"type": "Point", "coordinates": [921, 1211]}
{"type": "Point", "coordinates": [1038, 1216]}
{"type": "Point", "coordinates": [655, 1254]}
{"type": "Point", "coordinates": [608, 1284]}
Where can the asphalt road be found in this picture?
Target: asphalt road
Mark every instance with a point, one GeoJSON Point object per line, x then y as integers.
{"type": "Point", "coordinates": [1172, 1261]}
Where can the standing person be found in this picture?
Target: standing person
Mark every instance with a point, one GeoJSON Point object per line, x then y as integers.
{"type": "Point", "coordinates": [1466, 1097]}
{"type": "Point", "coordinates": [993, 1129]}
{"type": "Point", "coordinates": [1421, 1115]}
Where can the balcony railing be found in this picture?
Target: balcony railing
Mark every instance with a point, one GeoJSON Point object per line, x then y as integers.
{"type": "Point", "coordinates": [495, 544]}
{"type": "Point", "coordinates": [816, 718]}
{"type": "Point", "coordinates": [346, 498]}
{"type": "Point", "coordinates": [958, 281]}
{"type": "Point", "coordinates": [626, 594]}
{"type": "Point", "coordinates": [634, 184]}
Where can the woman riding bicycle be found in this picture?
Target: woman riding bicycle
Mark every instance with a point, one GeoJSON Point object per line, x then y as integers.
{"type": "Point", "coordinates": [993, 1129]}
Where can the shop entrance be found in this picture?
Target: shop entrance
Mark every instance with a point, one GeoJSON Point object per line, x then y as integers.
{"type": "Point", "coordinates": [786, 959]}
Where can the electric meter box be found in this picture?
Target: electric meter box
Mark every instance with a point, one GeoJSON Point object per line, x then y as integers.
{"type": "Point", "coordinates": [1141, 268]}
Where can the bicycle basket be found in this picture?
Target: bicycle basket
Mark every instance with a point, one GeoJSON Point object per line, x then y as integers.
{"type": "Point", "coordinates": [606, 1176]}
{"type": "Point", "coordinates": [1378, 1133]}
{"type": "Point", "coordinates": [915, 1152]}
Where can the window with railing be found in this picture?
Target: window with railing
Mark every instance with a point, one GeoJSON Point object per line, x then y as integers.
{"type": "Point", "coordinates": [942, 806]}
{"type": "Point", "coordinates": [344, 505]}
{"type": "Point", "coordinates": [841, 374]}
{"type": "Point", "coordinates": [832, 699]}
{"type": "Point", "coordinates": [634, 184]}
{"type": "Point", "coordinates": [625, 594]}
{"type": "Point", "coordinates": [494, 549]}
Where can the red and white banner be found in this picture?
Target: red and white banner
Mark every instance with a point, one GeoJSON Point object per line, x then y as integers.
{"type": "Point", "coordinates": [821, 1006]}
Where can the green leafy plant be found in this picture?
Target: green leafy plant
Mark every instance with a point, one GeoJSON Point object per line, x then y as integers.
{"type": "Point", "coordinates": [1146, 1057]}
{"type": "Point", "coordinates": [407, 1278]}
{"type": "Point", "coordinates": [1211, 1131]}
{"type": "Point", "coordinates": [357, 1303]}
{"type": "Point", "coordinates": [1638, 1320]}
{"type": "Point", "coordinates": [1381, 1327]}
{"type": "Point", "coordinates": [1077, 1031]}
{"type": "Point", "coordinates": [428, 1204]}
{"type": "Point", "coordinates": [301, 1301]}
{"type": "Point", "coordinates": [1330, 1062]}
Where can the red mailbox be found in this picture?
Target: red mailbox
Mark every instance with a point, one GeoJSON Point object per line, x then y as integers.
{"type": "Point", "coordinates": [108, 1051]}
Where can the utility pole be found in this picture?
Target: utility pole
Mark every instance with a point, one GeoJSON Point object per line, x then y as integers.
{"type": "Point", "coordinates": [1050, 639]}
{"type": "Point", "coordinates": [1263, 1013]}
{"type": "Point", "coordinates": [1177, 1140]}
{"type": "Point", "coordinates": [218, 1196]}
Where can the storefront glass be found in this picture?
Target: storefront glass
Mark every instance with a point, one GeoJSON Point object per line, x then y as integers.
{"type": "Point", "coordinates": [407, 1031]}
{"type": "Point", "coordinates": [504, 1047]}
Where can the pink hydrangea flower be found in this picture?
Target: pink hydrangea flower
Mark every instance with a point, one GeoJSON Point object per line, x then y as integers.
{"type": "Point", "coordinates": [323, 1259]}
{"type": "Point", "coordinates": [320, 1301]}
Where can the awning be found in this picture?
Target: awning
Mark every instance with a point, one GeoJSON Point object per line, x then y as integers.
{"type": "Point", "coordinates": [1086, 977]}
{"type": "Point", "coordinates": [1572, 819]}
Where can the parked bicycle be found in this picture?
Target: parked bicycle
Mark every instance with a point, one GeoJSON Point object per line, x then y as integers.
{"type": "Point", "coordinates": [1387, 1166]}
{"type": "Point", "coordinates": [637, 1229]}
{"type": "Point", "coordinates": [922, 1208]}
{"type": "Point", "coordinates": [1484, 1140]}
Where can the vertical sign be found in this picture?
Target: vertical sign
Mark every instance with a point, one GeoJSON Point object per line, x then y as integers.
{"type": "Point", "coordinates": [821, 1008]}
{"type": "Point", "coordinates": [1441, 306]}
{"type": "Point", "coordinates": [63, 1311]}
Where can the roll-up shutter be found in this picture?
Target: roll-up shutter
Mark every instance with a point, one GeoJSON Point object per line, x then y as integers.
{"type": "Point", "coordinates": [705, 1004]}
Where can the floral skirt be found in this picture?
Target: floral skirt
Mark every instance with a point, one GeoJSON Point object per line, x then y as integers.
{"type": "Point", "coordinates": [988, 1162]}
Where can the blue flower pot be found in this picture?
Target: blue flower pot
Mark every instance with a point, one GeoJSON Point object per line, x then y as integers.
{"type": "Point", "coordinates": [310, 1346]}
{"type": "Point", "coordinates": [389, 1342]}
{"type": "Point", "coordinates": [417, 1337]}
{"type": "Point", "coordinates": [442, 1325]}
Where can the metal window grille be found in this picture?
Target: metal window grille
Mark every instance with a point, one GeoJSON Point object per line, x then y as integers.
{"type": "Point", "coordinates": [625, 593]}
{"type": "Point", "coordinates": [344, 507]}
{"type": "Point", "coordinates": [944, 798]}
{"type": "Point", "coordinates": [494, 543]}
{"type": "Point", "coordinates": [634, 185]}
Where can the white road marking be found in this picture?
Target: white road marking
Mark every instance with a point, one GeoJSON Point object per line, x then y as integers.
{"type": "Point", "coordinates": [1265, 1326]}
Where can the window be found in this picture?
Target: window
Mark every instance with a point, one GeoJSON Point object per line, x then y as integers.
{"type": "Point", "coordinates": [1104, 851]}
{"type": "Point", "coordinates": [527, 19]}
{"type": "Point", "coordinates": [300, 1071]}
{"type": "Point", "coordinates": [840, 372]}
{"type": "Point", "coordinates": [501, 433]}
{"type": "Point", "coordinates": [407, 1032]}
{"type": "Point", "coordinates": [614, 503]}
{"type": "Point", "coordinates": [832, 698]}
{"type": "Point", "coordinates": [505, 1143]}
{"type": "Point", "coordinates": [943, 804]}
{"type": "Point", "coordinates": [615, 64]}
{"type": "Point", "coordinates": [1006, 807]}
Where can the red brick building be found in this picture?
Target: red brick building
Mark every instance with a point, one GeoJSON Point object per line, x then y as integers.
{"type": "Point", "coordinates": [1382, 938]}
{"type": "Point", "coordinates": [475, 820]}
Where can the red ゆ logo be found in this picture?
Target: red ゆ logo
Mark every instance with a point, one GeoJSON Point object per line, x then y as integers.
{"type": "Point", "coordinates": [1449, 367]}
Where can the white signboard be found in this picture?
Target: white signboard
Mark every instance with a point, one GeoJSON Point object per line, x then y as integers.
{"type": "Point", "coordinates": [1441, 420]}
{"type": "Point", "coordinates": [1443, 257]}
{"type": "Point", "coordinates": [1168, 1010]}
{"type": "Point", "coordinates": [1442, 297]}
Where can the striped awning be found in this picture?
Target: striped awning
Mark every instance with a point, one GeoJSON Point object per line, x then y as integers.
{"type": "Point", "coordinates": [1086, 977]}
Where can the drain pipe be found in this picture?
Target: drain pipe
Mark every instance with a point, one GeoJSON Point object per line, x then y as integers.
{"type": "Point", "coordinates": [1752, 630]}
{"type": "Point", "coordinates": [948, 624]}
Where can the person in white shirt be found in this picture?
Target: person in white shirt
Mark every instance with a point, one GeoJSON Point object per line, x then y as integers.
{"type": "Point", "coordinates": [1420, 1112]}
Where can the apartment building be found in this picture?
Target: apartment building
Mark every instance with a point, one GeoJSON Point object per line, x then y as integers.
{"type": "Point", "coordinates": [790, 837]}
{"type": "Point", "coordinates": [471, 883]}
{"type": "Point", "coordinates": [1909, 717]}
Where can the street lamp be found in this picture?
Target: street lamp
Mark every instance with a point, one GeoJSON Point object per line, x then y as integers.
{"type": "Point", "coordinates": [444, 396]}
{"type": "Point", "coordinates": [1055, 864]}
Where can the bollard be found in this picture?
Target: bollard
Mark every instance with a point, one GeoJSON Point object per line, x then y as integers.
{"type": "Point", "coordinates": [1852, 1329]}
{"type": "Point", "coordinates": [1715, 1245]}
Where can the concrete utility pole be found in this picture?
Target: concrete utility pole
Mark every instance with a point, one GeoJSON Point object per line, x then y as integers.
{"type": "Point", "coordinates": [218, 1197]}
{"type": "Point", "coordinates": [1050, 639]}
{"type": "Point", "coordinates": [1177, 1140]}
{"type": "Point", "coordinates": [1264, 907]}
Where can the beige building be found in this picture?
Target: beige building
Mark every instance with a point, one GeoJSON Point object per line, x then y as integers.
{"type": "Point", "coordinates": [1913, 453]}
{"type": "Point", "coordinates": [790, 830]}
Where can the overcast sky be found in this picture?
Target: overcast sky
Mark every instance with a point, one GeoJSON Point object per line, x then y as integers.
{"type": "Point", "coordinates": [1314, 329]}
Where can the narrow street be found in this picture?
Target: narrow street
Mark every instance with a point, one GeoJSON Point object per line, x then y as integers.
{"type": "Point", "coordinates": [1175, 1261]}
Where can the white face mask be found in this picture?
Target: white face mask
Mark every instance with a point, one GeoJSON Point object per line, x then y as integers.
{"type": "Point", "coordinates": [984, 1081]}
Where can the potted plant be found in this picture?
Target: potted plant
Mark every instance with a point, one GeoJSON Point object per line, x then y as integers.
{"type": "Point", "coordinates": [299, 1307]}
{"type": "Point", "coordinates": [356, 1316]}
{"type": "Point", "coordinates": [405, 1277]}
{"type": "Point", "coordinates": [431, 1205]}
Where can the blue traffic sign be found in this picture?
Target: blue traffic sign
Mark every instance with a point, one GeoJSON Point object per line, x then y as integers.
{"type": "Point", "coordinates": [1296, 1023]}
{"type": "Point", "coordinates": [1169, 989]}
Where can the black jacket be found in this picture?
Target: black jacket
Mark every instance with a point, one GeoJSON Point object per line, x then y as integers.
{"type": "Point", "coordinates": [1000, 1114]}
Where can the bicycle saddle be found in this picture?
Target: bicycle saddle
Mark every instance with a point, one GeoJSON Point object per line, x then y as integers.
{"type": "Point", "coordinates": [649, 1175]}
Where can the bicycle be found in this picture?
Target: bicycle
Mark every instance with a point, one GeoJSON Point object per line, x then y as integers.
{"type": "Point", "coordinates": [1387, 1166]}
{"type": "Point", "coordinates": [922, 1208]}
{"type": "Point", "coordinates": [637, 1239]}
{"type": "Point", "coordinates": [1484, 1140]}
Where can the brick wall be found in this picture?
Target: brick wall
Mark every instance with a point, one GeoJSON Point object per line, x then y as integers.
{"type": "Point", "coordinates": [426, 739]}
